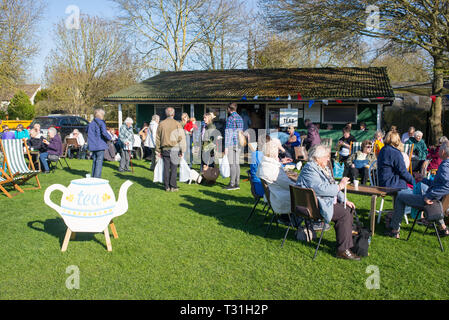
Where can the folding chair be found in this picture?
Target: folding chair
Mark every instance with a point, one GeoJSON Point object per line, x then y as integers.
{"type": "Point", "coordinates": [408, 149]}
{"type": "Point", "coordinates": [374, 181]}
{"type": "Point", "coordinates": [267, 196]}
{"type": "Point", "coordinates": [354, 147]}
{"type": "Point", "coordinates": [18, 169]}
{"type": "Point", "coordinates": [445, 203]}
{"type": "Point", "coordinates": [256, 198]}
{"type": "Point", "coordinates": [72, 145]}
{"type": "Point", "coordinates": [304, 204]}
{"type": "Point", "coordinates": [5, 180]}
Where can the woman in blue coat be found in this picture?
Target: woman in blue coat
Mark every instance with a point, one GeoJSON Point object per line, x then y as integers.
{"type": "Point", "coordinates": [391, 168]}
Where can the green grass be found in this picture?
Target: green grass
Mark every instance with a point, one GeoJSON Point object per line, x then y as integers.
{"type": "Point", "coordinates": [194, 245]}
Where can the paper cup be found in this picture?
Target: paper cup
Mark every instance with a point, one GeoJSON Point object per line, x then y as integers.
{"type": "Point", "coordinates": [356, 184]}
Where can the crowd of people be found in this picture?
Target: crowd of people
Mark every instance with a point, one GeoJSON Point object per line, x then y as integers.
{"type": "Point", "coordinates": [170, 142]}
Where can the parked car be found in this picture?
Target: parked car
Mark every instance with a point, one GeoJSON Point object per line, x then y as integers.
{"type": "Point", "coordinates": [65, 124]}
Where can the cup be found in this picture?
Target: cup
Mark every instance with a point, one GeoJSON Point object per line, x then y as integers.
{"type": "Point", "coordinates": [356, 184]}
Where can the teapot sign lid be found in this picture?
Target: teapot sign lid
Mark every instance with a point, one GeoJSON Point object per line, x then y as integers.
{"type": "Point", "coordinates": [90, 181]}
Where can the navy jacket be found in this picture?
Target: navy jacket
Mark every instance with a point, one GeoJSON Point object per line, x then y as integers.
{"type": "Point", "coordinates": [391, 169]}
{"type": "Point", "coordinates": [97, 135]}
{"type": "Point", "coordinates": [439, 187]}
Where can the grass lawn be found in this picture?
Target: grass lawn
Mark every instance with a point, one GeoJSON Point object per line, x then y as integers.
{"type": "Point", "coordinates": [194, 245]}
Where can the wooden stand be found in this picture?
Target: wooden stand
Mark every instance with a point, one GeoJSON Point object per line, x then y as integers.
{"type": "Point", "coordinates": [69, 235]}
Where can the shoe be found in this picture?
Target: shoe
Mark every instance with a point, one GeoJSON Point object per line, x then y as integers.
{"type": "Point", "coordinates": [318, 226]}
{"type": "Point", "coordinates": [174, 189]}
{"type": "Point", "coordinates": [347, 254]}
{"type": "Point", "coordinates": [229, 187]}
{"type": "Point", "coordinates": [128, 170]}
{"type": "Point", "coordinates": [167, 190]}
{"type": "Point", "coordinates": [392, 233]}
{"type": "Point", "coordinates": [45, 172]}
{"type": "Point", "coordinates": [442, 233]}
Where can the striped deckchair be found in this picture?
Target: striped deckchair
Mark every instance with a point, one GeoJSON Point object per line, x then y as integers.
{"type": "Point", "coordinates": [408, 149]}
{"type": "Point", "coordinates": [355, 146]}
{"type": "Point", "coordinates": [6, 180]}
{"type": "Point", "coordinates": [13, 151]}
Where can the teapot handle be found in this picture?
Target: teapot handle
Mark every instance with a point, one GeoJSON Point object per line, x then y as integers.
{"type": "Point", "coordinates": [48, 192]}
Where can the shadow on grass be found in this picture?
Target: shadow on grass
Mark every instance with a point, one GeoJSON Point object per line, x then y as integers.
{"type": "Point", "coordinates": [235, 217]}
{"type": "Point", "coordinates": [57, 228]}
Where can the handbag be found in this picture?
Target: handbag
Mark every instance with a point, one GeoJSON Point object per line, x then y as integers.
{"type": "Point", "coordinates": [53, 157]}
{"type": "Point", "coordinates": [434, 211]}
{"type": "Point", "coordinates": [360, 164]}
{"type": "Point", "coordinates": [211, 174]}
{"type": "Point", "coordinates": [242, 139]}
{"type": "Point", "coordinates": [338, 170]}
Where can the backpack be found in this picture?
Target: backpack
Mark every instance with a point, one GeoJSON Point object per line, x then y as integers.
{"type": "Point", "coordinates": [211, 174]}
{"type": "Point", "coordinates": [361, 238]}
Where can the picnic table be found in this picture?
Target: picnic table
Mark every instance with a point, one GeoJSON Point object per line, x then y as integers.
{"type": "Point", "coordinates": [374, 192]}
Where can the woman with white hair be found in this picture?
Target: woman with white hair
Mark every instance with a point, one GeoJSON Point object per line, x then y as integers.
{"type": "Point", "coordinates": [419, 150]}
{"type": "Point", "coordinates": [54, 149]}
{"type": "Point", "coordinates": [126, 138]}
{"type": "Point", "coordinates": [270, 170]}
{"type": "Point", "coordinates": [317, 175]}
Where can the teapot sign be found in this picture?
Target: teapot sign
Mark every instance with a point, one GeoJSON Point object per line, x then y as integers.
{"type": "Point", "coordinates": [288, 117]}
{"type": "Point", "coordinates": [89, 205]}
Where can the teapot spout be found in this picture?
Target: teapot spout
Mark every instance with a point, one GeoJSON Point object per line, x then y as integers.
{"type": "Point", "coordinates": [122, 204]}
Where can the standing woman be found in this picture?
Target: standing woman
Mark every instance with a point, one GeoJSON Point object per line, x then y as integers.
{"type": "Point", "coordinates": [97, 137]}
{"type": "Point", "coordinates": [151, 137]}
{"type": "Point", "coordinates": [208, 141]}
{"type": "Point", "coordinates": [126, 138]}
{"type": "Point", "coordinates": [184, 124]}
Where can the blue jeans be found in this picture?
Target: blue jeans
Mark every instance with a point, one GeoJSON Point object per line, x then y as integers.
{"type": "Point", "coordinates": [97, 165]}
{"type": "Point", "coordinates": [43, 157]}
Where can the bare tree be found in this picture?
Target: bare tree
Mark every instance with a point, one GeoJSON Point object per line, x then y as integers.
{"type": "Point", "coordinates": [222, 43]}
{"type": "Point", "coordinates": [343, 23]}
{"type": "Point", "coordinates": [163, 28]}
{"type": "Point", "coordinates": [89, 63]}
{"type": "Point", "coordinates": [18, 41]}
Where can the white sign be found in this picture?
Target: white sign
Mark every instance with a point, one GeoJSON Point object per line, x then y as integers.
{"type": "Point", "coordinates": [288, 117]}
{"type": "Point", "coordinates": [88, 205]}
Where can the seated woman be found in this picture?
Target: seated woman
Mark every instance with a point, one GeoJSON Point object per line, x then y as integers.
{"type": "Point", "coordinates": [431, 190]}
{"type": "Point", "coordinates": [419, 150]}
{"type": "Point", "coordinates": [54, 149]}
{"type": "Point", "coordinates": [35, 143]}
{"type": "Point", "coordinates": [317, 175]}
{"type": "Point", "coordinates": [294, 140]}
{"type": "Point", "coordinates": [360, 162]}
{"type": "Point", "coordinates": [391, 168]}
{"type": "Point", "coordinates": [345, 144]}
{"type": "Point", "coordinates": [21, 133]}
{"type": "Point", "coordinates": [7, 134]}
{"type": "Point", "coordinates": [81, 143]}
{"type": "Point", "coordinates": [378, 142]}
{"type": "Point", "coordinates": [433, 159]}
{"type": "Point", "coordinates": [270, 170]}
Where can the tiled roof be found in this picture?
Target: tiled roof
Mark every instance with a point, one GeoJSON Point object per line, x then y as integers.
{"type": "Point", "coordinates": [267, 84]}
{"type": "Point", "coordinates": [29, 89]}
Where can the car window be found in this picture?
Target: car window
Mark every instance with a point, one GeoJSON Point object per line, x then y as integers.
{"type": "Point", "coordinates": [45, 122]}
{"type": "Point", "coordinates": [65, 122]}
{"type": "Point", "coordinates": [74, 121]}
{"type": "Point", "coordinates": [83, 122]}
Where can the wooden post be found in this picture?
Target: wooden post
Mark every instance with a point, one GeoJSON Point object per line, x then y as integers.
{"type": "Point", "coordinates": [66, 240]}
{"type": "Point", "coordinates": [120, 115]}
{"type": "Point", "coordinates": [113, 229]}
{"type": "Point", "coordinates": [108, 239]}
{"type": "Point", "coordinates": [373, 214]}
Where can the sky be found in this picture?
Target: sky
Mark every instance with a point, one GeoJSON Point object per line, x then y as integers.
{"type": "Point", "coordinates": [55, 12]}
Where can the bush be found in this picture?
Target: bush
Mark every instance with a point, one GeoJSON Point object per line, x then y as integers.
{"type": "Point", "coordinates": [20, 107]}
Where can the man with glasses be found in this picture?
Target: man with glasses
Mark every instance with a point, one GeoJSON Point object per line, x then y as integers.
{"type": "Point", "coordinates": [360, 162]}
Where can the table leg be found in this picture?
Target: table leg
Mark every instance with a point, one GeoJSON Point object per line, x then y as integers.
{"type": "Point", "coordinates": [373, 213]}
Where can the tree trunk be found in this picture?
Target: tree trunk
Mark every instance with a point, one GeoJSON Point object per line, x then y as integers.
{"type": "Point", "coordinates": [436, 111]}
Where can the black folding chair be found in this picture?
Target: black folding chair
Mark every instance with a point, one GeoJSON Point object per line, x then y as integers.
{"type": "Point", "coordinates": [256, 197]}
{"type": "Point", "coordinates": [445, 204]}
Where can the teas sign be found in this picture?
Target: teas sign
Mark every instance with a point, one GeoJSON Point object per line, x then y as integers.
{"type": "Point", "coordinates": [288, 117]}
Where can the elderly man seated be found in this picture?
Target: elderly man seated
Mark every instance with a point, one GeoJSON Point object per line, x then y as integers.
{"type": "Point", "coordinates": [317, 175]}
{"type": "Point", "coordinates": [432, 191]}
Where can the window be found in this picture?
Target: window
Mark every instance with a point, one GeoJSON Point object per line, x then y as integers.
{"type": "Point", "coordinates": [83, 122]}
{"type": "Point", "coordinates": [160, 111]}
{"type": "Point", "coordinates": [339, 114]}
